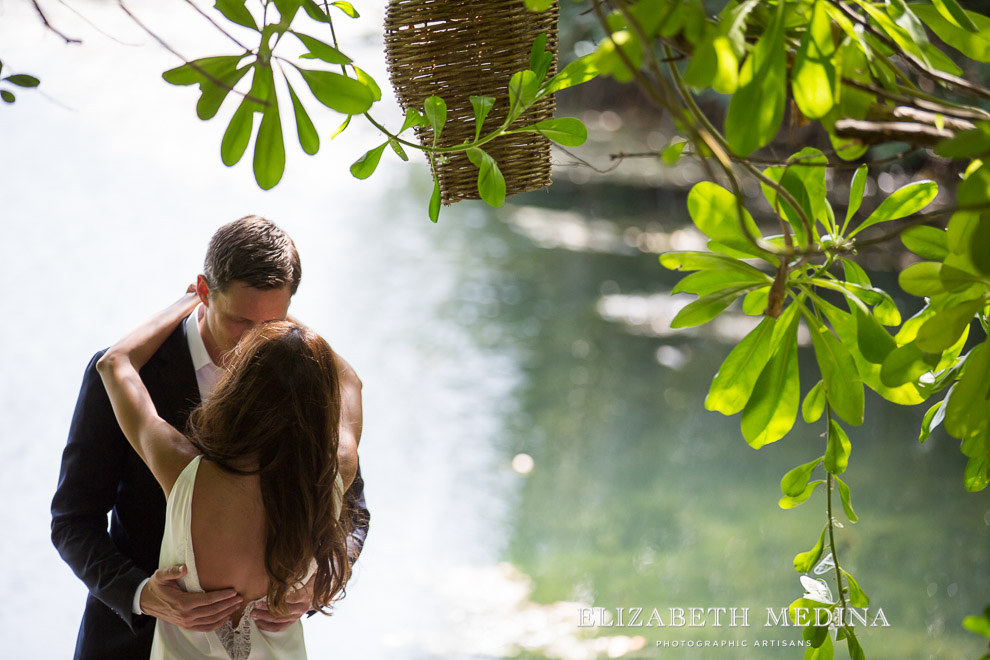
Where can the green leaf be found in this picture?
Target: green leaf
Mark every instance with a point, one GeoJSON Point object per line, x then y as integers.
{"type": "Point", "coordinates": [874, 342]}
{"type": "Point", "coordinates": [214, 95]}
{"type": "Point", "coordinates": [905, 364]}
{"type": "Point", "coordinates": [824, 650]}
{"type": "Point", "coordinates": [540, 59]}
{"type": "Point", "coordinates": [926, 242]}
{"type": "Point", "coordinates": [715, 211]}
{"type": "Point", "coordinates": [846, 504]}
{"type": "Point", "coordinates": [369, 82]}
{"type": "Point", "coordinates": [979, 247]}
{"type": "Point", "coordinates": [236, 12]}
{"type": "Point", "coordinates": [855, 274]}
{"type": "Point", "coordinates": [199, 70]}
{"type": "Point", "coordinates": [436, 114]}
{"type": "Point", "coordinates": [977, 474]}
{"type": "Point", "coordinates": [804, 179]}
{"type": "Point", "coordinates": [269, 148]}
{"type": "Point", "coordinates": [366, 165]}
{"type": "Point", "coordinates": [347, 8]}
{"type": "Point", "coordinates": [967, 144]}
{"type": "Point", "coordinates": [813, 74]}
{"type": "Point", "coordinates": [397, 148]}
{"type": "Point", "coordinates": [343, 126]}
{"type": "Point", "coordinates": [793, 501]}
{"type": "Point", "coordinates": [843, 386]}
{"type": "Point", "coordinates": [772, 407]}
{"type": "Point", "coordinates": [706, 308]}
{"type": "Point", "coordinates": [974, 45]}
{"type": "Point", "coordinates": [966, 412]}
{"type": "Point", "coordinates": [435, 201]}
{"type": "Point", "coordinates": [814, 403]}
{"type": "Point", "coordinates": [565, 131]}
{"type": "Point", "coordinates": [523, 86]}
{"type": "Point", "coordinates": [804, 561]}
{"type": "Point", "coordinates": [755, 302]}
{"type": "Point", "coordinates": [238, 133]}
{"type": "Point", "coordinates": [345, 95]}
{"type": "Point", "coordinates": [321, 51]}
{"type": "Point", "coordinates": [922, 279]}
{"type": "Point", "coordinates": [672, 152]}
{"type": "Point", "coordinates": [413, 118]}
{"type": "Point", "coordinates": [688, 260]}
{"type": "Point", "coordinates": [7, 96]}
{"type": "Point", "coordinates": [757, 108]}
{"type": "Point", "coordinates": [837, 450]}
{"type": "Point", "coordinates": [316, 13]}
{"type": "Point", "coordinates": [709, 281]}
{"type": "Point", "coordinates": [977, 624]}
{"type": "Point", "coordinates": [23, 80]}
{"type": "Point", "coordinates": [491, 183]}
{"type": "Point", "coordinates": [954, 14]}
{"type": "Point", "coordinates": [901, 203]}
{"type": "Point", "coordinates": [856, 189]}
{"type": "Point", "coordinates": [482, 106]}
{"type": "Point", "coordinates": [577, 72]}
{"type": "Point", "coordinates": [927, 425]}
{"type": "Point", "coordinates": [309, 139]}
{"type": "Point", "coordinates": [975, 189]}
{"type": "Point", "coordinates": [943, 329]}
{"type": "Point", "coordinates": [733, 384]}
{"type": "Point", "coordinates": [855, 650]}
{"type": "Point", "coordinates": [857, 598]}
{"type": "Point", "coordinates": [538, 6]}
{"type": "Point", "coordinates": [796, 480]}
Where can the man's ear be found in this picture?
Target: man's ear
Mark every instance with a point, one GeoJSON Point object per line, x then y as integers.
{"type": "Point", "coordinates": [203, 290]}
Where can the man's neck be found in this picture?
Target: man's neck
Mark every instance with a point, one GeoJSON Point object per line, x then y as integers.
{"type": "Point", "coordinates": [208, 341]}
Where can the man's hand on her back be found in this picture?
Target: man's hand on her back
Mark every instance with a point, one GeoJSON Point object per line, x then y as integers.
{"type": "Point", "coordinates": [164, 599]}
{"type": "Point", "coordinates": [299, 602]}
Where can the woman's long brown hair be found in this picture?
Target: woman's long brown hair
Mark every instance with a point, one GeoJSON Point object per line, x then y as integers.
{"type": "Point", "coordinates": [276, 413]}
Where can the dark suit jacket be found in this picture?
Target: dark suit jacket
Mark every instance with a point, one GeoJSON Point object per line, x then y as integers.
{"type": "Point", "coordinates": [101, 473]}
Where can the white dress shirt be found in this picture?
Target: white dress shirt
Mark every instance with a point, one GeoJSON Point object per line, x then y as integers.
{"type": "Point", "coordinates": [207, 375]}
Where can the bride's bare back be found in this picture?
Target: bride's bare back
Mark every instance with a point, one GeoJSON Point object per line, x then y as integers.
{"type": "Point", "coordinates": [228, 532]}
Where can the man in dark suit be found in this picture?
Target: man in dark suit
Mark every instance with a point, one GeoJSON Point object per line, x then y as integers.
{"type": "Point", "coordinates": [251, 271]}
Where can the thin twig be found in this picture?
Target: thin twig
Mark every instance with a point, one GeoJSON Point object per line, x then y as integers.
{"type": "Point", "coordinates": [215, 24]}
{"type": "Point", "coordinates": [44, 19]}
{"type": "Point", "coordinates": [94, 25]}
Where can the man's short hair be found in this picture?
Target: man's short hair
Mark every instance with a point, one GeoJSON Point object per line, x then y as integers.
{"type": "Point", "coordinates": [254, 251]}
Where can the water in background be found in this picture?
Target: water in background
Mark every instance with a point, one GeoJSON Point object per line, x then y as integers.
{"type": "Point", "coordinates": [536, 330]}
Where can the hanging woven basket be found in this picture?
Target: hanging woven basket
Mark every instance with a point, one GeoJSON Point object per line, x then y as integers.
{"type": "Point", "coordinates": [455, 49]}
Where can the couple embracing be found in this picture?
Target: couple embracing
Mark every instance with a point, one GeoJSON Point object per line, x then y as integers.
{"type": "Point", "coordinates": [221, 435]}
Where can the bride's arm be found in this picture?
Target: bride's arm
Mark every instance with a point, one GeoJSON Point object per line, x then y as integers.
{"type": "Point", "coordinates": [165, 451]}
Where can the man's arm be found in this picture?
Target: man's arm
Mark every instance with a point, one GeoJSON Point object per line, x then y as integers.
{"type": "Point", "coordinates": [87, 486]}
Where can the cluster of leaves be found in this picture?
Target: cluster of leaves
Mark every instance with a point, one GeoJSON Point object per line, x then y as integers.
{"type": "Point", "coordinates": [954, 278]}
{"type": "Point", "coordinates": [350, 92]}
{"type": "Point", "coordinates": [759, 378]}
{"type": "Point", "coordinates": [525, 88]}
{"type": "Point", "coordinates": [353, 92]}
{"type": "Point", "coordinates": [18, 79]}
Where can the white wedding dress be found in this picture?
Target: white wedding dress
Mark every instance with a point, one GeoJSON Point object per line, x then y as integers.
{"type": "Point", "coordinates": [244, 642]}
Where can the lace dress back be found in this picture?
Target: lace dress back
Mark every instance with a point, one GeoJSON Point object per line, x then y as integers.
{"type": "Point", "coordinates": [242, 642]}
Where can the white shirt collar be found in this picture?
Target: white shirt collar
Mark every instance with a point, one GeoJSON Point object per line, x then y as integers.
{"type": "Point", "coordinates": [197, 349]}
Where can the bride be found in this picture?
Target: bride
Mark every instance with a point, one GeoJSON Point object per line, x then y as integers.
{"type": "Point", "coordinates": [254, 489]}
